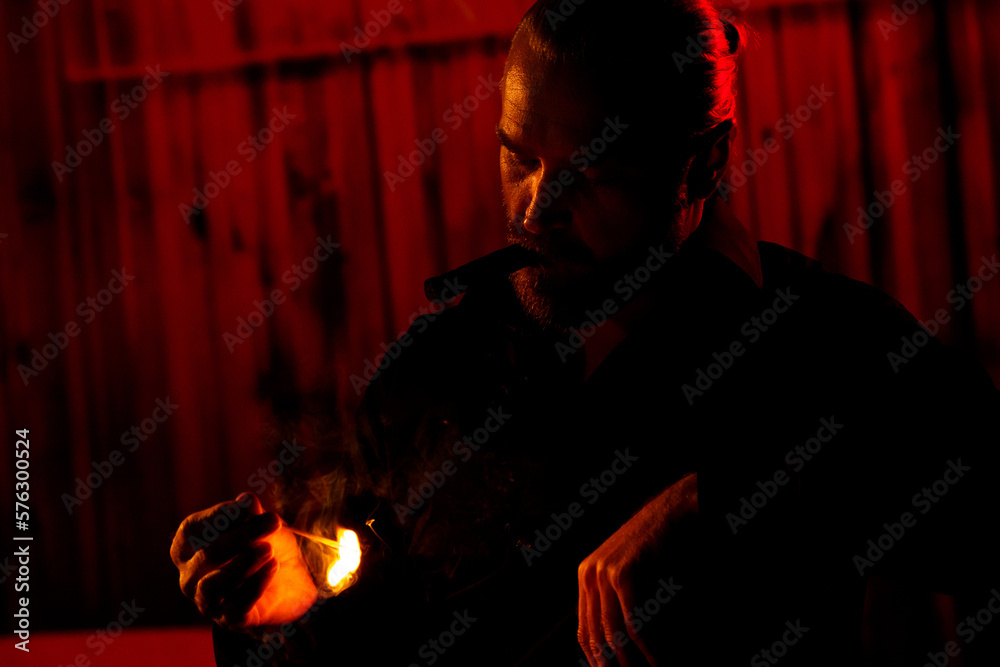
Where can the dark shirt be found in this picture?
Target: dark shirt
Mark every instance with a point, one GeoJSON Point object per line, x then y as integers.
{"type": "Point", "coordinates": [809, 439]}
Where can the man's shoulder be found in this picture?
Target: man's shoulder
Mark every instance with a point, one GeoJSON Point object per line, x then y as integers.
{"type": "Point", "coordinates": [844, 304]}
{"type": "Point", "coordinates": [781, 264]}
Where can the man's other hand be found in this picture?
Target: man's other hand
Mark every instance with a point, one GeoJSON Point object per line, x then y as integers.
{"type": "Point", "coordinates": [613, 579]}
{"type": "Point", "coordinates": [241, 566]}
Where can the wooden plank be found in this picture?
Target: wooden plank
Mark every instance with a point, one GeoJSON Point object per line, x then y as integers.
{"type": "Point", "coordinates": [766, 122]}
{"type": "Point", "coordinates": [232, 264]}
{"type": "Point", "coordinates": [846, 253]}
{"type": "Point", "coordinates": [350, 188]}
{"type": "Point", "coordinates": [301, 324]}
{"type": "Point", "coordinates": [183, 311]}
{"type": "Point", "coordinates": [741, 200]}
{"type": "Point", "coordinates": [406, 229]}
{"type": "Point", "coordinates": [474, 224]}
{"type": "Point", "coordinates": [810, 191]}
{"type": "Point", "coordinates": [91, 405]}
{"type": "Point", "coordinates": [488, 221]}
{"type": "Point", "coordinates": [977, 162]}
{"type": "Point", "coordinates": [893, 246]}
{"type": "Point", "coordinates": [924, 103]}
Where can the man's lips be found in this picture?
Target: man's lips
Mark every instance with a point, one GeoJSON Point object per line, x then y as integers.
{"type": "Point", "coordinates": [561, 267]}
{"type": "Point", "coordinates": [550, 258]}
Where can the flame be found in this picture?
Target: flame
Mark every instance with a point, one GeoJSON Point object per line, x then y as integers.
{"type": "Point", "coordinates": [347, 561]}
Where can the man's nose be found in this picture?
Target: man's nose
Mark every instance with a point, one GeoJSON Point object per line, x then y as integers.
{"type": "Point", "coordinates": [549, 206]}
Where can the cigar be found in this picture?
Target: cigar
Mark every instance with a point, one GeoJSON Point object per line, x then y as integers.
{"type": "Point", "coordinates": [501, 262]}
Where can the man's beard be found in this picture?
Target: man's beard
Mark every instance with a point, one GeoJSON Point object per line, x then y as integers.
{"type": "Point", "coordinates": [555, 299]}
{"type": "Point", "coordinates": [556, 295]}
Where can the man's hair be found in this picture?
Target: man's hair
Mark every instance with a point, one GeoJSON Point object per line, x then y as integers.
{"type": "Point", "coordinates": [641, 50]}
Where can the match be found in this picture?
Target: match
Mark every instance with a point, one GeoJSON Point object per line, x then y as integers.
{"type": "Point", "coordinates": [326, 541]}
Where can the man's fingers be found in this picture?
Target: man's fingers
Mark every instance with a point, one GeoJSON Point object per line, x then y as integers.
{"type": "Point", "coordinates": [192, 571]}
{"type": "Point", "coordinates": [638, 644]}
{"type": "Point", "coordinates": [255, 506]}
{"type": "Point", "coordinates": [201, 544]}
{"type": "Point", "coordinates": [584, 576]}
{"type": "Point", "coordinates": [595, 631]}
{"type": "Point", "coordinates": [218, 584]}
{"type": "Point", "coordinates": [237, 610]}
{"type": "Point", "coordinates": [207, 524]}
{"type": "Point", "coordinates": [238, 539]}
{"type": "Point", "coordinates": [612, 617]}
{"type": "Point", "coordinates": [211, 558]}
{"type": "Point", "coordinates": [638, 648]}
{"type": "Point", "coordinates": [635, 646]}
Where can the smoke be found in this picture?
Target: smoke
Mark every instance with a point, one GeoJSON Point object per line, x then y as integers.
{"type": "Point", "coordinates": [313, 491]}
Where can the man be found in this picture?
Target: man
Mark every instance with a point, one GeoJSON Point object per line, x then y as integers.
{"type": "Point", "coordinates": [661, 444]}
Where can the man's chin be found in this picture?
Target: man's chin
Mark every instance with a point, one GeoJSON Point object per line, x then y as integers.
{"type": "Point", "coordinates": [553, 300]}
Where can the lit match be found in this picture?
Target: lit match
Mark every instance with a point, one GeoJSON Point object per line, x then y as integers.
{"type": "Point", "coordinates": [348, 558]}
{"type": "Point", "coordinates": [333, 544]}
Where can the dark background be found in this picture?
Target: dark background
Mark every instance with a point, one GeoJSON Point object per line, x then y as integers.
{"type": "Point", "coordinates": [230, 65]}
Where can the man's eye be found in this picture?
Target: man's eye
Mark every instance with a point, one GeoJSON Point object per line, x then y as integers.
{"type": "Point", "coordinates": [523, 161]}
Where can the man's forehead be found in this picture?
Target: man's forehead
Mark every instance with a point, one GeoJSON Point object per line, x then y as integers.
{"type": "Point", "coordinates": [550, 103]}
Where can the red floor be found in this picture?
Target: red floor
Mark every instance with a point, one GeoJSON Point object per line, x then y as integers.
{"type": "Point", "coordinates": [135, 647]}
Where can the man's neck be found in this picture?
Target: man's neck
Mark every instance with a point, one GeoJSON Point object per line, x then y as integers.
{"type": "Point", "coordinates": [717, 228]}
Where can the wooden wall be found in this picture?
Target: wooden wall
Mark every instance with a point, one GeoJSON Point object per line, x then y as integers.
{"type": "Point", "coordinates": [231, 64]}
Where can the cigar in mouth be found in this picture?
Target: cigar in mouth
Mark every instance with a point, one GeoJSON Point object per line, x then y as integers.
{"type": "Point", "coordinates": [501, 262]}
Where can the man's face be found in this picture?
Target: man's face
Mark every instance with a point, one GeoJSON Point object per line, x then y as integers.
{"type": "Point", "coordinates": [571, 192]}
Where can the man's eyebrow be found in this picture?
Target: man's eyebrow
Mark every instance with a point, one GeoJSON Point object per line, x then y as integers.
{"type": "Point", "coordinates": [594, 159]}
{"type": "Point", "coordinates": [509, 143]}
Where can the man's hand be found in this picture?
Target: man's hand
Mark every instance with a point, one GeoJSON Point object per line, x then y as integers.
{"type": "Point", "coordinates": [250, 574]}
{"type": "Point", "coordinates": [608, 577]}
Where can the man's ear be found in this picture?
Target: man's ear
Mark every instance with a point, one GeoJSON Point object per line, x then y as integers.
{"type": "Point", "coordinates": [709, 164]}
